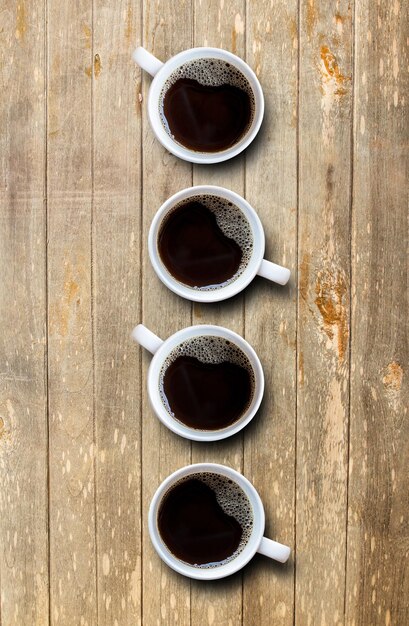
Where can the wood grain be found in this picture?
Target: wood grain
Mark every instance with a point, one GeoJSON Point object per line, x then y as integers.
{"type": "Point", "coordinates": [270, 310]}
{"type": "Point", "coordinates": [324, 316]}
{"type": "Point", "coordinates": [24, 579]}
{"type": "Point", "coordinates": [165, 594]}
{"type": "Point", "coordinates": [70, 337]}
{"type": "Point", "coordinates": [377, 589]}
{"type": "Point", "coordinates": [116, 249]}
{"type": "Point", "coordinates": [81, 177]}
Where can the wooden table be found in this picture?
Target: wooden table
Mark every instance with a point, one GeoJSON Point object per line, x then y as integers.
{"type": "Point", "coordinates": [81, 176]}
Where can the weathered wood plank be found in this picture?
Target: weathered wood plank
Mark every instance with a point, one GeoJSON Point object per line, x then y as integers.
{"type": "Point", "coordinates": [378, 525]}
{"type": "Point", "coordinates": [72, 505]}
{"type": "Point", "coordinates": [24, 572]}
{"type": "Point", "coordinates": [166, 595]}
{"type": "Point", "coordinates": [221, 25]}
{"type": "Point", "coordinates": [323, 314]}
{"type": "Point", "coordinates": [116, 281]}
{"type": "Point", "coordinates": [100, 284]}
{"type": "Point", "coordinates": [270, 311]}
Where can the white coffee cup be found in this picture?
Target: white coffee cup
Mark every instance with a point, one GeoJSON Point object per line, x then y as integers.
{"type": "Point", "coordinates": [162, 71]}
{"type": "Point", "coordinates": [162, 349]}
{"type": "Point", "coordinates": [255, 543]}
{"type": "Point", "coordinates": [256, 264]}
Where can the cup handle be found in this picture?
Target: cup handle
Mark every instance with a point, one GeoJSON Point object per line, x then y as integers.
{"type": "Point", "coordinates": [146, 338]}
{"type": "Point", "coordinates": [276, 273]}
{"type": "Point", "coordinates": [274, 550]}
{"type": "Point", "coordinates": [146, 61]}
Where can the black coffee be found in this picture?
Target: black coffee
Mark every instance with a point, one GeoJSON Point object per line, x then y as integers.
{"type": "Point", "coordinates": [207, 383]}
{"type": "Point", "coordinates": [205, 242]}
{"type": "Point", "coordinates": [207, 105]}
{"type": "Point", "coordinates": [205, 520]}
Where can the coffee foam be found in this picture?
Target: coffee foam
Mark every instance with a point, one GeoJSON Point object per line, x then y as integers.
{"type": "Point", "coordinates": [233, 501]}
{"type": "Point", "coordinates": [209, 72]}
{"type": "Point", "coordinates": [207, 349]}
{"type": "Point", "coordinates": [233, 224]}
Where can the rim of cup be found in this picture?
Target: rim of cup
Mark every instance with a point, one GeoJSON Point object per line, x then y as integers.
{"type": "Point", "coordinates": [232, 288]}
{"type": "Point", "coordinates": [154, 372]}
{"type": "Point", "coordinates": [249, 549]}
{"type": "Point", "coordinates": [158, 82]}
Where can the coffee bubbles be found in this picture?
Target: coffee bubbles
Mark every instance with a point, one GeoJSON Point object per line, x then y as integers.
{"type": "Point", "coordinates": [207, 383]}
{"type": "Point", "coordinates": [205, 242]}
{"type": "Point", "coordinates": [207, 105]}
{"type": "Point", "coordinates": [205, 519]}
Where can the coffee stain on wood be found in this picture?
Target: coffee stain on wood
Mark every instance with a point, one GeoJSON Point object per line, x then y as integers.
{"type": "Point", "coordinates": [5, 433]}
{"type": "Point", "coordinates": [311, 18]}
{"type": "Point", "coordinates": [87, 34]}
{"type": "Point", "coordinates": [70, 290]}
{"type": "Point", "coordinates": [339, 20]}
{"type": "Point", "coordinates": [342, 21]}
{"type": "Point", "coordinates": [97, 66]}
{"type": "Point", "coordinates": [301, 368]}
{"type": "Point", "coordinates": [333, 86]}
{"type": "Point", "coordinates": [293, 28]}
{"type": "Point", "coordinates": [129, 36]}
{"type": "Point", "coordinates": [330, 299]}
{"type": "Point", "coordinates": [330, 70]}
{"type": "Point", "coordinates": [21, 21]}
{"type": "Point", "coordinates": [393, 376]}
{"type": "Point", "coordinates": [304, 275]}
{"type": "Point", "coordinates": [61, 311]}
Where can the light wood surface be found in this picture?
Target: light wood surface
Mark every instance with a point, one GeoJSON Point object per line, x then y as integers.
{"type": "Point", "coordinates": [325, 114]}
{"type": "Point", "coordinates": [81, 176]}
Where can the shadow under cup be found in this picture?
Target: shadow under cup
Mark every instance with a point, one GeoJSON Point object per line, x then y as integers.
{"type": "Point", "coordinates": [206, 244]}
